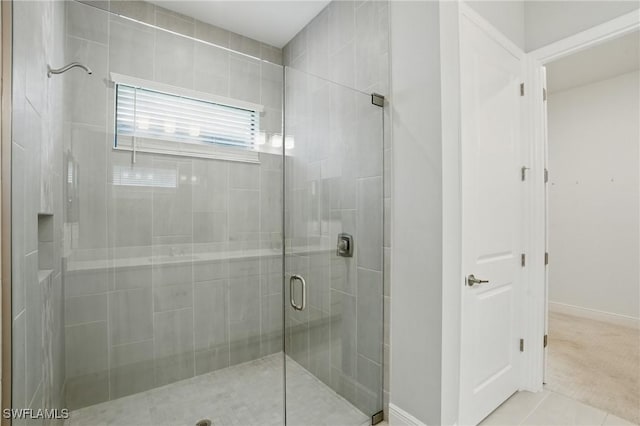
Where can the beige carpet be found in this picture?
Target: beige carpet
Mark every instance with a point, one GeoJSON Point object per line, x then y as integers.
{"type": "Point", "coordinates": [596, 363]}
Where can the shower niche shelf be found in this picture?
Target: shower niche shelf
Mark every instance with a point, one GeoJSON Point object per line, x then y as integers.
{"type": "Point", "coordinates": [45, 242]}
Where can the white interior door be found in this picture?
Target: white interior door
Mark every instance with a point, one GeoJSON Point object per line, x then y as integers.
{"type": "Point", "coordinates": [491, 218]}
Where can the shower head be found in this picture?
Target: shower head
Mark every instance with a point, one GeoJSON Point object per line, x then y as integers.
{"type": "Point", "coordinates": [51, 71]}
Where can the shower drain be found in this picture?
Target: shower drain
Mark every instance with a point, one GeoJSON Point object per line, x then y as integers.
{"type": "Point", "coordinates": [204, 422]}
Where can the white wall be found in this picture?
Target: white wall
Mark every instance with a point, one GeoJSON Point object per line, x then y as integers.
{"type": "Point", "coordinates": [550, 21]}
{"type": "Point", "coordinates": [506, 16]}
{"type": "Point", "coordinates": [593, 194]}
{"type": "Point", "coordinates": [531, 24]}
{"type": "Point", "coordinates": [451, 210]}
{"type": "Point", "coordinates": [416, 293]}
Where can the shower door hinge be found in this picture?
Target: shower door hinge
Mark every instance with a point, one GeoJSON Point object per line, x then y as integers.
{"type": "Point", "coordinates": [546, 258]}
{"type": "Point", "coordinates": [544, 94]}
{"type": "Point", "coordinates": [523, 260]}
{"type": "Point", "coordinates": [521, 345]}
{"type": "Point", "coordinates": [523, 173]}
{"type": "Point", "coordinates": [521, 89]}
{"type": "Point", "coordinates": [545, 341]}
{"type": "Point", "coordinates": [377, 417]}
{"type": "Point", "coordinates": [546, 175]}
{"type": "Point", "coordinates": [377, 99]}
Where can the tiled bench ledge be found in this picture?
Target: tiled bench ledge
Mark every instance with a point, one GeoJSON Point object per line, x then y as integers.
{"type": "Point", "coordinates": [72, 265]}
{"type": "Point", "coordinates": [43, 275]}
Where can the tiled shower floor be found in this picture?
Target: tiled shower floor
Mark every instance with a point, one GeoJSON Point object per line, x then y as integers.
{"type": "Point", "coordinates": [246, 394]}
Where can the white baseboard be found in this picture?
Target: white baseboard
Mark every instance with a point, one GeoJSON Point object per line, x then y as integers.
{"type": "Point", "coordinates": [399, 417]}
{"type": "Point", "coordinates": [593, 314]}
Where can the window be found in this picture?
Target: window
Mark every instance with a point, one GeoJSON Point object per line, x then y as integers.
{"type": "Point", "coordinates": [151, 117]}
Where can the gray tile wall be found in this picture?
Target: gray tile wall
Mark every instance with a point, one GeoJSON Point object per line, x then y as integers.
{"type": "Point", "coordinates": [163, 282]}
{"type": "Point", "coordinates": [348, 43]}
{"type": "Point", "coordinates": [37, 305]}
{"type": "Point", "coordinates": [130, 326]}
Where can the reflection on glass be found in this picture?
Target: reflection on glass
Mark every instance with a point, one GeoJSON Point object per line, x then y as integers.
{"type": "Point", "coordinates": [140, 176]}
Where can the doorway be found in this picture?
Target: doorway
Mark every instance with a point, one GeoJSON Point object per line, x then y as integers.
{"type": "Point", "coordinates": [592, 219]}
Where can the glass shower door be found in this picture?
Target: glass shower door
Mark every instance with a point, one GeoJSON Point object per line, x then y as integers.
{"type": "Point", "coordinates": [333, 311]}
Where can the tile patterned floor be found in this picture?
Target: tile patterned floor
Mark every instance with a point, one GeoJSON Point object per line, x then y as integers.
{"type": "Point", "coordinates": [549, 408]}
{"type": "Point", "coordinates": [245, 394]}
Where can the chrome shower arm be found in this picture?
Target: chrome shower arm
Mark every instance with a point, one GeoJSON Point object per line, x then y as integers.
{"type": "Point", "coordinates": [67, 68]}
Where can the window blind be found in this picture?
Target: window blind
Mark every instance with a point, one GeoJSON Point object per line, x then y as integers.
{"type": "Point", "coordinates": [151, 114]}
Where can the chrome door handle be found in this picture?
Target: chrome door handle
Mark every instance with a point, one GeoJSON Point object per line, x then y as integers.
{"type": "Point", "coordinates": [471, 281]}
{"type": "Point", "coordinates": [292, 300]}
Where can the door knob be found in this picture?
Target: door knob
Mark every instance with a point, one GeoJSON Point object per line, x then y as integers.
{"type": "Point", "coordinates": [472, 280]}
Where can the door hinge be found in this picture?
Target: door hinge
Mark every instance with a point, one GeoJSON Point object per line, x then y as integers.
{"type": "Point", "coordinates": [546, 175]}
{"type": "Point", "coordinates": [521, 89]}
{"type": "Point", "coordinates": [546, 258]}
{"type": "Point", "coordinates": [521, 345]}
{"type": "Point", "coordinates": [544, 94]}
{"type": "Point", "coordinates": [523, 173]}
{"type": "Point", "coordinates": [545, 341]}
{"type": "Point", "coordinates": [523, 260]}
{"type": "Point", "coordinates": [377, 418]}
{"type": "Point", "coordinates": [377, 99]}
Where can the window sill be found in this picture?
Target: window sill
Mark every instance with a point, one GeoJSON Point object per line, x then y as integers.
{"type": "Point", "coordinates": [187, 150]}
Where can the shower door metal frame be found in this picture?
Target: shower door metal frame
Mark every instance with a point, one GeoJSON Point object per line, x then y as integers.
{"type": "Point", "coordinates": [6, 12]}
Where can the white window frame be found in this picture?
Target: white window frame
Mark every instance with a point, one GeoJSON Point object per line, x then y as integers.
{"type": "Point", "coordinates": [168, 147]}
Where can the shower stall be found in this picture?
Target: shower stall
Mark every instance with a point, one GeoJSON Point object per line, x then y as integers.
{"type": "Point", "coordinates": [196, 227]}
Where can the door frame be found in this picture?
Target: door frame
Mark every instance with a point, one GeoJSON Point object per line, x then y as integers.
{"type": "Point", "coordinates": [535, 308]}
